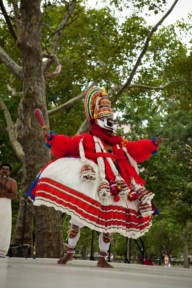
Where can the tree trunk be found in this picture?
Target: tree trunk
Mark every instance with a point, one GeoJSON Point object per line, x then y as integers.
{"type": "Point", "coordinates": [48, 238]}
{"type": "Point", "coordinates": [84, 251]}
{"type": "Point", "coordinates": [186, 253]}
{"type": "Point", "coordinates": [24, 225]}
{"type": "Point", "coordinates": [127, 250]}
{"type": "Point", "coordinates": [48, 233]}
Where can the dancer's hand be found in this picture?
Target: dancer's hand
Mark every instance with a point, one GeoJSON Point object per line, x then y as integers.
{"type": "Point", "coordinates": [45, 132]}
{"type": "Point", "coordinates": [159, 140]}
{"type": "Point", "coordinates": [41, 121]}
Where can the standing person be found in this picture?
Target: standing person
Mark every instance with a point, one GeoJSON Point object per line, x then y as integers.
{"type": "Point", "coordinates": [8, 192]}
{"type": "Point", "coordinates": [95, 179]}
{"type": "Point", "coordinates": [166, 261]}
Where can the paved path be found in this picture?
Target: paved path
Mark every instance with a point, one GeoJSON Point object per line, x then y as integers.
{"type": "Point", "coordinates": [46, 273]}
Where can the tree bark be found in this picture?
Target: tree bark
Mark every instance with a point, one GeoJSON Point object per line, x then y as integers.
{"type": "Point", "coordinates": [48, 230]}
{"type": "Point", "coordinates": [186, 254]}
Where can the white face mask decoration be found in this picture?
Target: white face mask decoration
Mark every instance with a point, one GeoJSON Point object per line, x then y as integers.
{"type": "Point", "coordinates": [98, 108]}
{"type": "Point", "coordinates": [105, 123]}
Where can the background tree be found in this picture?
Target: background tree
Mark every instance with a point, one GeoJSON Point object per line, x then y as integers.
{"type": "Point", "coordinates": [106, 52]}
{"type": "Point", "coordinates": [168, 114]}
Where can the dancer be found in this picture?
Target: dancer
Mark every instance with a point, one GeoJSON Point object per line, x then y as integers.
{"type": "Point", "coordinates": [95, 179]}
{"type": "Point", "coordinates": [8, 192]}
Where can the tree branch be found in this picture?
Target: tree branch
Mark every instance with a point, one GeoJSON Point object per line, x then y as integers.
{"type": "Point", "coordinates": [57, 34]}
{"type": "Point", "coordinates": [83, 127]}
{"type": "Point", "coordinates": [148, 87]}
{"type": "Point", "coordinates": [70, 8]}
{"type": "Point", "coordinates": [13, 92]}
{"type": "Point", "coordinates": [11, 64]}
{"type": "Point", "coordinates": [57, 69]}
{"type": "Point", "coordinates": [17, 15]}
{"type": "Point", "coordinates": [7, 20]}
{"type": "Point", "coordinates": [70, 102]}
{"type": "Point", "coordinates": [138, 62]}
{"type": "Point", "coordinates": [10, 129]}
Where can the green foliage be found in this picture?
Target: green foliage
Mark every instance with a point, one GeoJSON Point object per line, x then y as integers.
{"type": "Point", "coordinates": [96, 47]}
{"type": "Point", "coordinates": [155, 6]}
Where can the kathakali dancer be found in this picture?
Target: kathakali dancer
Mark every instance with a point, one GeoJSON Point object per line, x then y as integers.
{"type": "Point", "coordinates": [95, 179]}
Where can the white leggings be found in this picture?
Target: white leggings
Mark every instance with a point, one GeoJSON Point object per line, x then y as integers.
{"type": "Point", "coordinates": [72, 242]}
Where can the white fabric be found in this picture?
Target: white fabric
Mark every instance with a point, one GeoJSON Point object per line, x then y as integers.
{"type": "Point", "coordinates": [72, 242]}
{"type": "Point", "coordinates": [82, 156]}
{"type": "Point", "coordinates": [104, 247]}
{"type": "Point", "coordinates": [131, 160]}
{"type": "Point", "coordinates": [67, 172]}
{"type": "Point", "coordinates": [77, 223]}
{"type": "Point", "coordinates": [5, 225]}
{"type": "Point", "coordinates": [100, 160]}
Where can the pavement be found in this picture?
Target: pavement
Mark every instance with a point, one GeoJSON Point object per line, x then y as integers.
{"type": "Point", "coordinates": [46, 273]}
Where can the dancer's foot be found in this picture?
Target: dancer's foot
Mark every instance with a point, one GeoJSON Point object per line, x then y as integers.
{"type": "Point", "coordinates": [67, 257]}
{"type": "Point", "coordinates": [103, 263]}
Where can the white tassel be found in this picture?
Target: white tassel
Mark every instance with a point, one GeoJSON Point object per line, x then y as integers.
{"type": "Point", "coordinates": [144, 195]}
{"type": "Point", "coordinates": [131, 160]}
{"type": "Point", "coordinates": [87, 173]}
{"type": "Point", "coordinates": [123, 186]}
{"type": "Point", "coordinates": [103, 189]}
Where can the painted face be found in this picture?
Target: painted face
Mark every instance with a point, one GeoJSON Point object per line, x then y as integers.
{"type": "Point", "coordinates": [105, 123]}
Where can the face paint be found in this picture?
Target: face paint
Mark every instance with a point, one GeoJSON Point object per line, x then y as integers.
{"type": "Point", "coordinates": [105, 123]}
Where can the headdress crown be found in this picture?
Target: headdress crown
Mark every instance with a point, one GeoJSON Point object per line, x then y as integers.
{"type": "Point", "coordinates": [97, 105]}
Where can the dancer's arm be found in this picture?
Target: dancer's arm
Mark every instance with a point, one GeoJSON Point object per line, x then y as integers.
{"type": "Point", "coordinates": [142, 150]}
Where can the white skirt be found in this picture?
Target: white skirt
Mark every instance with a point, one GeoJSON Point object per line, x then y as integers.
{"type": "Point", "coordinates": [60, 186]}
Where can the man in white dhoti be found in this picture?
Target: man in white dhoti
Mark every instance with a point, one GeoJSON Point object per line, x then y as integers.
{"type": "Point", "coordinates": [8, 192]}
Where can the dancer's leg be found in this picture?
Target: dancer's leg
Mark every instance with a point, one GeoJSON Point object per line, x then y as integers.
{"type": "Point", "coordinates": [73, 237]}
{"type": "Point", "coordinates": [104, 243]}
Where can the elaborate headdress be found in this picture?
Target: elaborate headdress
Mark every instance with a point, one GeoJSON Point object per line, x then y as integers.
{"type": "Point", "coordinates": [97, 105]}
